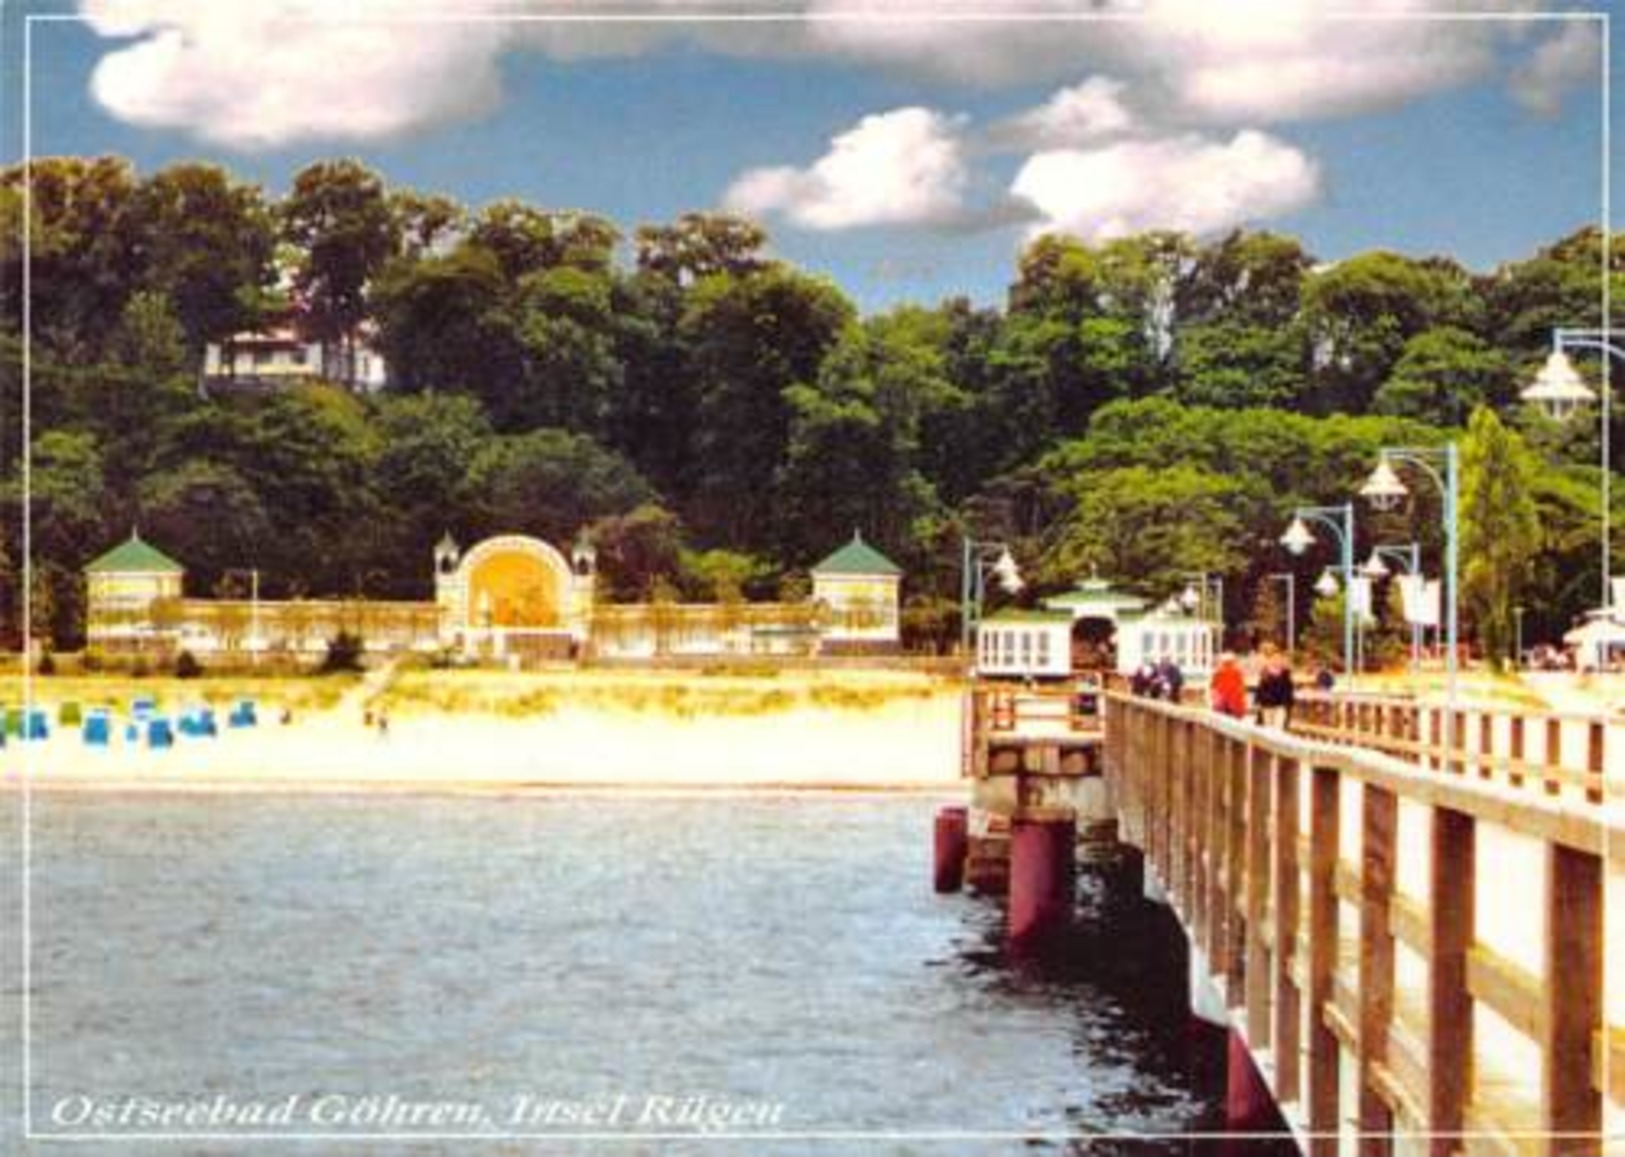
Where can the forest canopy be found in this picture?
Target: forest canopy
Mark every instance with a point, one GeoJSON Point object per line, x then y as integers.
{"type": "Point", "coordinates": [716, 419]}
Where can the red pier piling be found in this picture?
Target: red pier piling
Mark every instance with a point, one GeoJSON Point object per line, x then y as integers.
{"type": "Point", "coordinates": [1041, 875]}
{"type": "Point", "coordinates": [951, 845]}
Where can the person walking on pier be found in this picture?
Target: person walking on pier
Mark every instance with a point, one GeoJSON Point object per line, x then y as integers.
{"type": "Point", "coordinates": [1170, 680]}
{"type": "Point", "coordinates": [1227, 692]}
{"type": "Point", "coordinates": [1274, 694]}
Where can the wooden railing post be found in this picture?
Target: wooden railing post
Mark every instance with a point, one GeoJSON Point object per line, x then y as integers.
{"type": "Point", "coordinates": [1288, 1008]}
{"type": "Point", "coordinates": [1323, 1047]}
{"type": "Point", "coordinates": [1554, 753]}
{"type": "Point", "coordinates": [1379, 823]}
{"type": "Point", "coordinates": [1195, 823]}
{"type": "Point", "coordinates": [1235, 850]}
{"type": "Point", "coordinates": [1200, 828]}
{"type": "Point", "coordinates": [1570, 1101]}
{"type": "Point", "coordinates": [1260, 772]}
{"type": "Point", "coordinates": [1452, 874]}
{"type": "Point", "coordinates": [1214, 912]}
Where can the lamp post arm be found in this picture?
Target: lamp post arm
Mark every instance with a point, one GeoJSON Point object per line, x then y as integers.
{"type": "Point", "coordinates": [1586, 339]}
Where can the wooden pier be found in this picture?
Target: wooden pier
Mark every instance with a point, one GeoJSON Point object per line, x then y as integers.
{"type": "Point", "coordinates": [1405, 928]}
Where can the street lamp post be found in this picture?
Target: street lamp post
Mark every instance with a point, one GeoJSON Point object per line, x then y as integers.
{"type": "Point", "coordinates": [1204, 595]}
{"type": "Point", "coordinates": [1409, 556]}
{"type": "Point", "coordinates": [979, 559]}
{"type": "Point", "coordinates": [1298, 538]}
{"type": "Point", "coordinates": [1385, 490]}
{"type": "Point", "coordinates": [1559, 390]}
{"type": "Point", "coordinates": [1291, 581]}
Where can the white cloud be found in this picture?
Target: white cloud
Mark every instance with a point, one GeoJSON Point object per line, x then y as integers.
{"type": "Point", "coordinates": [254, 76]}
{"type": "Point", "coordinates": [275, 71]}
{"type": "Point", "coordinates": [1567, 59]}
{"type": "Point", "coordinates": [904, 167]}
{"type": "Point", "coordinates": [1084, 113]}
{"type": "Point", "coordinates": [1187, 182]}
{"type": "Point", "coordinates": [1242, 61]}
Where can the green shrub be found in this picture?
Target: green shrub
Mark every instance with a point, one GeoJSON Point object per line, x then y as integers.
{"type": "Point", "coordinates": [47, 664]}
{"type": "Point", "coordinates": [343, 654]}
{"type": "Point", "coordinates": [187, 666]}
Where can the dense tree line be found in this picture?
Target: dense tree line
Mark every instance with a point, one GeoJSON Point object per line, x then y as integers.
{"type": "Point", "coordinates": [716, 418]}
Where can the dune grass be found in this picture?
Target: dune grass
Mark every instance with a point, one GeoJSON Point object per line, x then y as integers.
{"type": "Point", "coordinates": [298, 693]}
{"type": "Point", "coordinates": [683, 695]}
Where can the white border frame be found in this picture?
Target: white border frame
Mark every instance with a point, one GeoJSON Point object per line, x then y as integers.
{"type": "Point", "coordinates": [1604, 18]}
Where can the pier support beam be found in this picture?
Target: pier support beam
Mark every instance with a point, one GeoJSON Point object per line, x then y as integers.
{"type": "Point", "coordinates": [1042, 849]}
{"type": "Point", "coordinates": [951, 844]}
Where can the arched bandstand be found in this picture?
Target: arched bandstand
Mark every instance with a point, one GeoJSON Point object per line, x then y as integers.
{"type": "Point", "coordinates": [512, 595]}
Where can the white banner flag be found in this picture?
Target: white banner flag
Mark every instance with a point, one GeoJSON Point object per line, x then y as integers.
{"type": "Point", "coordinates": [1619, 593]}
{"type": "Point", "coordinates": [1360, 597]}
{"type": "Point", "coordinates": [1421, 600]}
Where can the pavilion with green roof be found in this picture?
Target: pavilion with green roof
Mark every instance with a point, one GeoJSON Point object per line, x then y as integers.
{"type": "Point", "coordinates": [122, 587]}
{"type": "Point", "coordinates": [134, 556]}
{"type": "Point", "coordinates": [858, 587]}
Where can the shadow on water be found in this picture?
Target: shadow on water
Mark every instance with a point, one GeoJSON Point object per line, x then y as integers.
{"type": "Point", "coordinates": [1119, 968]}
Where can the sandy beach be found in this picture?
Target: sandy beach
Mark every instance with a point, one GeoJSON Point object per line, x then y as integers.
{"type": "Point", "coordinates": [489, 732]}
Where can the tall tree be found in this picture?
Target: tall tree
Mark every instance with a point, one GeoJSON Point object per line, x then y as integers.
{"type": "Point", "coordinates": [1500, 528]}
{"type": "Point", "coordinates": [1442, 376]}
{"type": "Point", "coordinates": [750, 339]}
{"type": "Point", "coordinates": [340, 217]}
{"type": "Point", "coordinates": [205, 242]}
{"type": "Point", "coordinates": [699, 245]}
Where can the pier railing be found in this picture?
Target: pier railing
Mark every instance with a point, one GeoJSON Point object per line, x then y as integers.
{"type": "Point", "coordinates": [1561, 753]}
{"type": "Point", "coordinates": [1408, 952]}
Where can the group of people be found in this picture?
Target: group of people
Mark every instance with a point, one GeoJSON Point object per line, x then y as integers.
{"type": "Point", "coordinates": [1273, 694]}
{"type": "Point", "coordinates": [1161, 680]}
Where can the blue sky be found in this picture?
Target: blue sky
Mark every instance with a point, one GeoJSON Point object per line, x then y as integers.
{"type": "Point", "coordinates": [907, 160]}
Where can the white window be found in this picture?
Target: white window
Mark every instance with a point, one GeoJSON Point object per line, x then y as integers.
{"type": "Point", "coordinates": [1043, 648]}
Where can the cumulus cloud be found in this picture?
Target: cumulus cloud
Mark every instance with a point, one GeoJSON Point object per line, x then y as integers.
{"type": "Point", "coordinates": [1187, 182]}
{"type": "Point", "coordinates": [1236, 62]}
{"type": "Point", "coordinates": [904, 167]}
{"type": "Point", "coordinates": [275, 71]}
{"type": "Point", "coordinates": [1567, 59]}
{"type": "Point", "coordinates": [254, 76]}
{"type": "Point", "coordinates": [1084, 113]}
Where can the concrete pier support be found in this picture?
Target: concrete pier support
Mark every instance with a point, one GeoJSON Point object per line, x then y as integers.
{"type": "Point", "coordinates": [1042, 855]}
{"type": "Point", "coordinates": [950, 846]}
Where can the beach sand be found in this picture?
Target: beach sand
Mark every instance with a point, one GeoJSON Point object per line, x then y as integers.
{"type": "Point", "coordinates": [905, 736]}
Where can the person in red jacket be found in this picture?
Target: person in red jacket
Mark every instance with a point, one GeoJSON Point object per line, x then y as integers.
{"type": "Point", "coordinates": [1227, 693]}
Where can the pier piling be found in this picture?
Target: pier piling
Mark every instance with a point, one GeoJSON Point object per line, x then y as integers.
{"type": "Point", "coordinates": [1041, 876]}
{"type": "Point", "coordinates": [951, 846]}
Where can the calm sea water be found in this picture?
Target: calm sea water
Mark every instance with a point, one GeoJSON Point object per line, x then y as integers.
{"type": "Point", "coordinates": [360, 959]}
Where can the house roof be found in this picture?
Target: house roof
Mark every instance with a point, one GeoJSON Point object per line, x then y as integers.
{"type": "Point", "coordinates": [857, 557]}
{"type": "Point", "coordinates": [1095, 594]}
{"type": "Point", "coordinates": [1020, 615]}
{"type": "Point", "coordinates": [133, 556]}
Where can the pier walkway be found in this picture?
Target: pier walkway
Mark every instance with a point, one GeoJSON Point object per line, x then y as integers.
{"type": "Point", "coordinates": [1400, 913]}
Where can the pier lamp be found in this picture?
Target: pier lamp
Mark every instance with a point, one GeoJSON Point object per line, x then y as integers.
{"type": "Point", "coordinates": [1385, 490]}
{"type": "Point", "coordinates": [1409, 559]}
{"type": "Point", "coordinates": [980, 560]}
{"type": "Point", "coordinates": [1560, 392]}
{"type": "Point", "coordinates": [1299, 538]}
{"type": "Point", "coordinates": [1204, 596]}
{"type": "Point", "coordinates": [1327, 586]}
